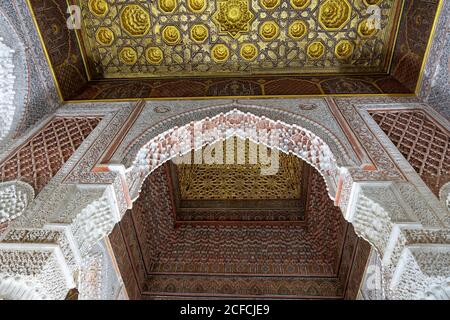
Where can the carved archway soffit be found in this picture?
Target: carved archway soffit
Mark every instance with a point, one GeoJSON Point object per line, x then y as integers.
{"type": "Point", "coordinates": [273, 134]}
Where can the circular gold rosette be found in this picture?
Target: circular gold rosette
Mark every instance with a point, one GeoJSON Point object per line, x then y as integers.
{"type": "Point", "coordinates": [104, 36]}
{"type": "Point", "coordinates": [220, 53]}
{"type": "Point", "coordinates": [196, 5]}
{"type": "Point", "coordinates": [167, 6]}
{"type": "Point", "coordinates": [98, 7]}
{"type": "Point", "coordinates": [128, 56]}
{"type": "Point", "coordinates": [154, 55]}
{"type": "Point", "coordinates": [297, 29]}
{"type": "Point", "coordinates": [199, 33]}
{"type": "Point", "coordinates": [334, 14]}
{"type": "Point", "coordinates": [249, 51]}
{"type": "Point", "coordinates": [367, 28]}
{"type": "Point", "coordinates": [135, 20]}
{"type": "Point", "coordinates": [300, 4]}
{"type": "Point", "coordinates": [270, 4]}
{"type": "Point", "coordinates": [171, 35]}
{"type": "Point", "coordinates": [269, 30]}
{"type": "Point", "coordinates": [344, 49]}
{"type": "Point", "coordinates": [316, 50]}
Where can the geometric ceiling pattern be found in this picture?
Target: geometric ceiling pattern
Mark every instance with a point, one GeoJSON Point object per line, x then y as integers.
{"type": "Point", "coordinates": [235, 48]}
{"type": "Point", "coordinates": [236, 186]}
{"type": "Point", "coordinates": [228, 37]}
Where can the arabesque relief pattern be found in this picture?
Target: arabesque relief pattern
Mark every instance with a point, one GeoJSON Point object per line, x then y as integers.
{"type": "Point", "coordinates": [199, 37]}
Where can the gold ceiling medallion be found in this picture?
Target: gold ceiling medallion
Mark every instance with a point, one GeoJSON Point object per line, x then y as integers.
{"type": "Point", "coordinates": [199, 33]}
{"type": "Point", "coordinates": [197, 5]}
{"type": "Point", "coordinates": [269, 30]}
{"type": "Point", "coordinates": [249, 51]}
{"type": "Point", "coordinates": [135, 20]}
{"type": "Point", "coordinates": [300, 4]}
{"type": "Point", "coordinates": [316, 50]}
{"type": "Point", "coordinates": [344, 49]}
{"type": "Point", "coordinates": [366, 28]}
{"type": "Point", "coordinates": [371, 2]}
{"type": "Point", "coordinates": [297, 29]}
{"type": "Point", "coordinates": [128, 56]}
{"type": "Point", "coordinates": [233, 17]}
{"type": "Point", "coordinates": [220, 53]}
{"type": "Point", "coordinates": [270, 4]}
{"type": "Point", "coordinates": [98, 7]}
{"type": "Point", "coordinates": [334, 14]}
{"type": "Point", "coordinates": [104, 36]}
{"type": "Point", "coordinates": [154, 55]}
{"type": "Point", "coordinates": [171, 35]}
{"type": "Point", "coordinates": [167, 6]}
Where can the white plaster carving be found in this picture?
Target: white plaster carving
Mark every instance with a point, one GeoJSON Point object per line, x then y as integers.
{"type": "Point", "coordinates": [393, 216]}
{"type": "Point", "coordinates": [444, 195]}
{"type": "Point", "coordinates": [273, 134]}
{"type": "Point", "coordinates": [41, 267]}
{"type": "Point", "coordinates": [14, 199]}
{"type": "Point", "coordinates": [421, 271]}
{"type": "Point", "coordinates": [7, 93]}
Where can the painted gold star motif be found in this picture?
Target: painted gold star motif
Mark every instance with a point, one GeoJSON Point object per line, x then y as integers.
{"type": "Point", "coordinates": [233, 17]}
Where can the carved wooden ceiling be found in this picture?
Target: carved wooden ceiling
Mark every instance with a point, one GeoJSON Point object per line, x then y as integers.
{"type": "Point", "coordinates": [241, 181]}
{"type": "Point", "coordinates": [229, 37]}
{"type": "Point", "coordinates": [141, 49]}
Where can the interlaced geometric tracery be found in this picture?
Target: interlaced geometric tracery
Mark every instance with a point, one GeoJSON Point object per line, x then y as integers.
{"type": "Point", "coordinates": [421, 141]}
{"type": "Point", "coordinates": [41, 157]}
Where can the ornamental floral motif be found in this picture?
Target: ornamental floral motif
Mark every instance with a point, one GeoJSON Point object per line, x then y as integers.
{"type": "Point", "coordinates": [128, 55]}
{"type": "Point", "coordinates": [199, 33]}
{"type": "Point", "coordinates": [316, 50]}
{"type": "Point", "coordinates": [98, 7]}
{"type": "Point", "coordinates": [171, 35]}
{"type": "Point", "coordinates": [298, 29]}
{"type": "Point", "coordinates": [344, 49]}
{"type": "Point", "coordinates": [334, 14]}
{"type": "Point", "coordinates": [197, 5]}
{"type": "Point", "coordinates": [167, 5]}
{"type": "Point", "coordinates": [233, 17]}
{"type": "Point", "coordinates": [249, 51]}
{"type": "Point", "coordinates": [269, 30]}
{"type": "Point", "coordinates": [367, 28]}
{"type": "Point", "coordinates": [220, 53]}
{"type": "Point", "coordinates": [104, 36]}
{"type": "Point", "coordinates": [135, 20]}
{"type": "Point", "coordinates": [154, 55]}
